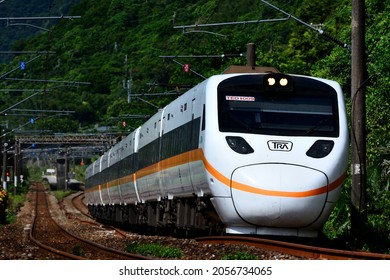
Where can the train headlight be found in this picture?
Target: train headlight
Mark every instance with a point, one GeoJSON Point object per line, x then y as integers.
{"type": "Point", "coordinates": [320, 149]}
{"type": "Point", "coordinates": [239, 145]}
{"type": "Point", "coordinates": [271, 81]}
{"type": "Point", "coordinates": [283, 82]}
{"type": "Point", "coordinates": [277, 82]}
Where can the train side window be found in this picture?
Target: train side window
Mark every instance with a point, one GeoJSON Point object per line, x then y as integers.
{"type": "Point", "coordinates": [204, 118]}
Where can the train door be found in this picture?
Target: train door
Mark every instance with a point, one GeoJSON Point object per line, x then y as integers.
{"type": "Point", "coordinates": [107, 177]}
{"type": "Point", "coordinates": [135, 141]}
{"type": "Point", "coordinates": [194, 162]}
{"type": "Point", "coordinates": [161, 175]}
{"type": "Point", "coordinates": [100, 180]}
{"type": "Point", "coordinates": [186, 140]}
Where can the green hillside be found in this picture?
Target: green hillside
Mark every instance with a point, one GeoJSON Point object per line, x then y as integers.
{"type": "Point", "coordinates": [15, 25]}
{"type": "Point", "coordinates": [119, 40]}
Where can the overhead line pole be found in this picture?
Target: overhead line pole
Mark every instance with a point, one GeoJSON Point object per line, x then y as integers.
{"type": "Point", "coordinates": [358, 117]}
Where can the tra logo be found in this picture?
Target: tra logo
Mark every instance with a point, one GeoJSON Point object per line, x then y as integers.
{"type": "Point", "coordinates": [284, 146]}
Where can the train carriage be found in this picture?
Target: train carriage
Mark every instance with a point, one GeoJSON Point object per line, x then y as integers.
{"type": "Point", "coordinates": [127, 167]}
{"type": "Point", "coordinates": [249, 153]}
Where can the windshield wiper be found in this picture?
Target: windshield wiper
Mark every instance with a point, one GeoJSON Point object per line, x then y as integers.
{"type": "Point", "coordinates": [240, 122]}
{"type": "Point", "coordinates": [317, 125]}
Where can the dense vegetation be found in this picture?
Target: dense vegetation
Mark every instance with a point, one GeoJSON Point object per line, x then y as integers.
{"type": "Point", "coordinates": [119, 40]}
{"type": "Point", "coordinates": [13, 23]}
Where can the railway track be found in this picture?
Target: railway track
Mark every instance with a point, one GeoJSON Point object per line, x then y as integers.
{"type": "Point", "coordinates": [288, 248]}
{"type": "Point", "coordinates": [298, 250]}
{"type": "Point", "coordinates": [50, 236]}
{"type": "Point", "coordinates": [78, 203]}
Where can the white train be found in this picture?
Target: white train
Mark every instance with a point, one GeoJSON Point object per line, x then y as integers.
{"type": "Point", "coordinates": [246, 153]}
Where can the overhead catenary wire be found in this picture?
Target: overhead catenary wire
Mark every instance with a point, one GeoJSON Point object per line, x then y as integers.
{"type": "Point", "coordinates": [320, 31]}
{"type": "Point", "coordinates": [17, 68]}
{"type": "Point", "coordinates": [196, 73]}
{"type": "Point", "coordinates": [48, 81]}
{"type": "Point", "coordinates": [203, 56]}
{"type": "Point", "coordinates": [217, 24]}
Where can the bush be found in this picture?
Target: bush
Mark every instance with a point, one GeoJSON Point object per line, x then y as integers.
{"type": "Point", "coordinates": [374, 236]}
{"type": "Point", "coordinates": [3, 205]}
{"type": "Point", "coordinates": [15, 202]}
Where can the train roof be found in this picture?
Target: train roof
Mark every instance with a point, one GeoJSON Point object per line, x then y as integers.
{"type": "Point", "coordinates": [250, 69]}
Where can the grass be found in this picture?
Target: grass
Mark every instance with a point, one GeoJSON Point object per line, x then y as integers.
{"type": "Point", "coordinates": [171, 252]}
{"type": "Point", "coordinates": [155, 250]}
{"type": "Point", "coordinates": [78, 251]}
{"type": "Point", "coordinates": [15, 202]}
{"type": "Point", "coordinates": [61, 194]}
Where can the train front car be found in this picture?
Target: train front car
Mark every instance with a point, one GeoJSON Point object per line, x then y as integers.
{"type": "Point", "coordinates": [275, 151]}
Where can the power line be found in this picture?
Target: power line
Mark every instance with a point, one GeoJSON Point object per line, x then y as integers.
{"type": "Point", "coordinates": [319, 30]}
{"type": "Point", "coordinates": [196, 73]}
{"type": "Point", "coordinates": [45, 111]}
{"type": "Point", "coordinates": [40, 18]}
{"type": "Point", "coordinates": [20, 102]}
{"type": "Point", "coordinates": [17, 68]}
{"type": "Point", "coordinates": [27, 52]}
{"type": "Point", "coordinates": [10, 19]}
{"type": "Point", "coordinates": [48, 81]}
{"type": "Point", "coordinates": [41, 113]}
{"type": "Point", "coordinates": [203, 56]}
{"type": "Point", "coordinates": [19, 89]}
{"type": "Point", "coordinates": [196, 25]}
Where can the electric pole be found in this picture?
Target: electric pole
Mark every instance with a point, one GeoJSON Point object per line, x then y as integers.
{"type": "Point", "coordinates": [4, 171]}
{"type": "Point", "coordinates": [251, 55]}
{"type": "Point", "coordinates": [358, 117]}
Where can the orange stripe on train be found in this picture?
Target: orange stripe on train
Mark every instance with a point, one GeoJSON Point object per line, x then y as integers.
{"type": "Point", "coordinates": [196, 155]}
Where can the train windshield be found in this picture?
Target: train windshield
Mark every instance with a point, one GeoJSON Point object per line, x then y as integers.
{"type": "Point", "coordinates": [309, 109]}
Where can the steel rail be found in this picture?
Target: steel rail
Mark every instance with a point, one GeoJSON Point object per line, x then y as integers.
{"type": "Point", "coordinates": [76, 201]}
{"type": "Point", "coordinates": [46, 247]}
{"type": "Point", "coordinates": [86, 241]}
{"type": "Point", "coordinates": [299, 250]}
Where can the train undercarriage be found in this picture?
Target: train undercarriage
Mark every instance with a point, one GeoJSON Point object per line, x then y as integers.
{"type": "Point", "coordinates": [189, 216]}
